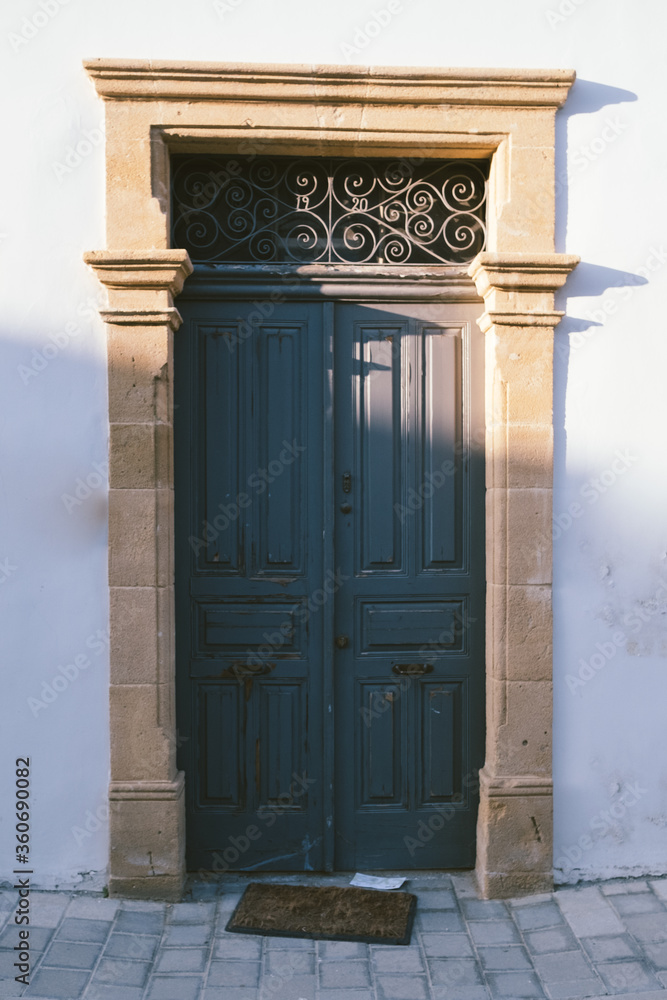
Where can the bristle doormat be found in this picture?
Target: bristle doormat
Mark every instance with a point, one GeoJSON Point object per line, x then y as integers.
{"type": "Point", "coordinates": [331, 912]}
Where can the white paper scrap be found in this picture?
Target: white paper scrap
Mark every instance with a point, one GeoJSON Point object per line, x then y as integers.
{"type": "Point", "coordinates": [376, 882]}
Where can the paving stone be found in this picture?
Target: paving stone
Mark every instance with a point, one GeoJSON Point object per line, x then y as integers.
{"type": "Point", "coordinates": [289, 944]}
{"type": "Point", "coordinates": [46, 908]}
{"type": "Point", "coordinates": [465, 886]}
{"type": "Point", "coordinates": [604, 949]}
{"type": "Point", "coordinates": [577, 990]}
{"type": "Point", "coordinates": [515, 985]}
{"type": "Point", "coordinates": [616, 888]}
{"type": "Point", "coordinates": [67, 955]}
{"type": "Point", "coordinates": [228, 903]}
{"type": "Point", "coordinates": [102, 991]}
{"type": "Point", "coordinates": [647, 926]}
{"type": "Point", "coordinates": [137, 946]}
{"type": "Point", "coordinates": [659, 887]}
{"type": "Point", "coordinates": [174, 988]}
{"type": "Point", "coordinates": [335, 995]}
{"type": "Point", "coordinates": [187, 934]}
{"type": "Point", "coordinates": [494, 932]}
{"type": "Point", "coordinates": [564, 967]}
{"type": "Point", "coordinates": [447, 945]}
{"type": "Point", "coordinates": [148, 905]}
{"type": "Point", "coordinates": [662, 976]}
{"type": "Point", "coordinates": [65, 983]}
{"type": "Point", "coordinates": [341, 975]}
{"type": "Point", "coordinates": [553, 939]}
{"type": "Point", "coordinates": [588, 912]}
{"type": "Point", "coordinates": [122, 973]}
{"type": "Point", "coordinates": [405, 961]}
{"type": "Point", "coordinates": [233, 974]}
{"type": "Point", "coordinates": [462, 993]}
{"type": "Point", "coordinates": [290, 963]}
{"type": "Point", "coordinates": [299, 988]}
{"type": "Point", "coordinates": [238, 947]}
{"type": "Point", "coordinates": [86, 931]}
{"type": "Point", "coordinates": [337, 950]}
{"type": "Point", "coordinates": [192, 913]}
{"type": "Point", "coordinates": [436, 920]}
{"type": "Point", "coordinates": [182, 960]}
{"type": "Point", "coordinates": [637, 902]}
{"type": "Point", "coordinates": [532, 918]}
{"type": "Point", "coordinates": [87, 908]}
{"type": "Point", "coordinates": [627, 977]}
{"type": "Point", "coordinates": [512, 957]}
{"type": "Point", "coordinates": [657, 952]}
{"type": "Point", "coordinates": [484, 909]}
{"type": "Point", "coordinates": [227, 993]}
{"type": "Point", "coordinates": [532, 900]}
{"type": "Point", "coordinates": [39, 937]}
{"type": "Point", "coordinates": [436, 899]}
{"type": "Point", "coordinates": [397, 988]}
{"type": "Point", "coordinates": [139, 922]}
{"type": "Point", "coordinates": [455, 973]}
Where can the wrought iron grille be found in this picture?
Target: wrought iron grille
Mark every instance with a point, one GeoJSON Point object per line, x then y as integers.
{"type": "Point", "coordinates": [284, 210]}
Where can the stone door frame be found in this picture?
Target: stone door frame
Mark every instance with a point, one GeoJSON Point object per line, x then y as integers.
{"type": "Point", "coordinates": [155, 108]}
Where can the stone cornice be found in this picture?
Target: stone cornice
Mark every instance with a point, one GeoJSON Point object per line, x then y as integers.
{"type": "Point", "coordinates": [150, 269]}
{"type": "Point", "coordinates": [141, 285]}
{"type": "Point", "coordinates": [122, 79]}
{"type": "Point", "coordinates": [517, 271]}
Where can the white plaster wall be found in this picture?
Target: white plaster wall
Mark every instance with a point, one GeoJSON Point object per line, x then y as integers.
{"type": "Point", "coordinates": [610, 400]}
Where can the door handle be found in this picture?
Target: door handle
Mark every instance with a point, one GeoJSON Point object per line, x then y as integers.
{"type": "Point", "coordinates": [346, 508]}
{"type": "Point", "coordinates": [342, 641]}
{"type": "Point", "coordinates": [412, 669]}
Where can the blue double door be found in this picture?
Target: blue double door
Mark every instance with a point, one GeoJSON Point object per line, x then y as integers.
{"type": "Point", "coordinates": [330, 583]}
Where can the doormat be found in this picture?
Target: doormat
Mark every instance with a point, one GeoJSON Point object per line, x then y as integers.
{"type": "Point", "coordinates": [331, 913]}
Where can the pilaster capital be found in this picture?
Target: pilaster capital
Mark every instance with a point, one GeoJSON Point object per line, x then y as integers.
{"type": "Point", "coordinates": [141, 284]}
{"type": "Point", "coordinates": [518, 288]}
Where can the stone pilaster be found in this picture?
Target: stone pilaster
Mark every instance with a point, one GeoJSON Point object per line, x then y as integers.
{"type": "Point", "coordinates": [514, 846]}
{"type": "Point", "coordinates": [146, 791]}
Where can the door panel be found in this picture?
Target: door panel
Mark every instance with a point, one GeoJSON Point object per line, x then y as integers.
{"type": "Point", "coordinates": [249, 513]}
{"type": "Point", "coordinates": [261, 583]}
{"type": "Point", "coordinates": [409, 685]}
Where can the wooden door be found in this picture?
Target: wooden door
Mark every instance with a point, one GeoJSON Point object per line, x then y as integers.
{"type": "Point", "coordinates": [330, 584]}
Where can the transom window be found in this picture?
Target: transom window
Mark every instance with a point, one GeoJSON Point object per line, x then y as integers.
{"type": "Point", "coordinates": [287, 210]}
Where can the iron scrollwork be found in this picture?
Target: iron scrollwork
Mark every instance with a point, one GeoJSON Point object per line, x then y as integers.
{"type": "Point", "coordinates": [284, 210]}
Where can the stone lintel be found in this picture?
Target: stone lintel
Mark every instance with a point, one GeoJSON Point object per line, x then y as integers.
{"type": "Point", "coordinates": [153, 80]}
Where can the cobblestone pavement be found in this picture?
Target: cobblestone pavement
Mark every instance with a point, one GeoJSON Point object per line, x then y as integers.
{"type": "Point", "coordinates": [607, 939]}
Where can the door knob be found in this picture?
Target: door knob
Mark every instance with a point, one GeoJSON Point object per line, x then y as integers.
{"type": "Point", "coordinates": [346, 508]}
{"type": "Point", "coordinates": [342, 641]}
